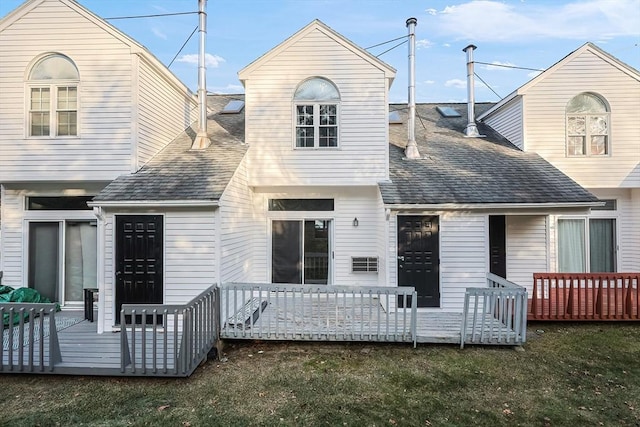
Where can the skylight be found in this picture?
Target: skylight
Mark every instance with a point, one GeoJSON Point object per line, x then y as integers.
{"type": "Point", "coordinates": [394, 117]}
{"type": "Point", "coordinates": [233, 107]}
{"type": "Point", "coordinates": [447, 111]}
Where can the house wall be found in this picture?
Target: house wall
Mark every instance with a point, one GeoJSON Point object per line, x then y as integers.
{"type": "Point", "coordinates": [103, 148]}
{"type": "Point", "coordinates": [544, 115]}
{"type": "Point", "coordinates": [627, 216]}
{"type": "Point", "coordinates": [365, 240]}
{"type": "Point", "coordinates": [527, 248]}
{"type": "Point", "coordinates": [15, 219]}
{"type": "Point", "coordinates": [190, 248]}
{"type": "Point", "coordinates": [361, 157]}
{"type": "Point", "coordinates": [163, 111]}
{"type": "Point", "coordinates": [509, 122]}
{"type": "Point", "coordinates": [463, 254]}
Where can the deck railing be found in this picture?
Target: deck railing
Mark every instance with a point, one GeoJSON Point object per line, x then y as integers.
{"type": "Point", "coordinates": [170, 340]}
{"type": "Point", "coordinates": [585, 296]}
{"type": "Point", "coordinates": [318, 313]}
{"type": "Point", "coordinates": [25, 347]}
{"type": "Point", "coordinates": [496, 314]}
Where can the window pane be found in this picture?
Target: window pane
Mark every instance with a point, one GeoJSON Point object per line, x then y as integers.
{"type": "Point", "coordinates": [317, 89]}
{"type": "Point", "coordinates": [598, 125]}
{"type": "Point", "coordinates": [305, 115]}
{"type": "Point", "coordinates": [44, 258]}
{"type": "Point", "coordinates": [316, 252]}
{"type": "Point", "coordinates": [599, 145]}
{"type": "Point", "coordinates": [571, 246]}
{"type": "Point", "coordinates": [286, 252]}
{"type": "Point", "coordinates": [602, 245]}
{"type": "Point", "coordinates": [304, 137]}
{"type": "Point", "coordinates": [328, 115]}
{"type": "Point", "coordinates": [301, 204]}
{"type": "Point", "coordinates": [328, 137]}
{"type": "Point", "coordinates": [67, 123]}
{"type": "Point", "coordinates": [40, 99]}
{"type": "Point", "coordinates": [65, 203]}
{"type": "Point", "coordinates": [67, 98]}
{"type": "Point", "coordinates": [39, 124]}
{"type": "Point", "coordinates": [54, 67]}
{"type": "Point", "coordinates": [575, 145]}
{"type": "Point", "coordinates": [586, 103]}
{"type": "Point", "coordinates": [576, 125]}
{"type": "Point", "coordinates": [80, 259]}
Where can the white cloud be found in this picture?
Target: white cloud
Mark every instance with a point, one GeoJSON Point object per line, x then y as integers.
{"type": "Point", "coordinates": [446, 45]}
{"type": "Point", "coordinates": [431, 11]}
{"type": "Point", "coordinates": [534, 74]}
{"type": "Point", "coordinates": [212, 61]}
{"type": "Point", "coordinates": [456, 83]}
{"type": "Point", "coordinates": [429, 82]}
{"type": "Point", "coordinates": [158, 33]}
{"type": "Point", "coordinates": [230, 88]}
{"type": "Point", "coordinates": [423, 44]}
{"type": "Point", "coordinates": [498, 66]}
{"type": "Point", "coordinates": [489, 20]}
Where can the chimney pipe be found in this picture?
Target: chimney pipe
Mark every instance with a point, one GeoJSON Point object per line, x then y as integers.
{"type": "Point", "coordinates": [202, 140]}
{"type": "Point", "coordinates": [471, 130]}
{"type": "Point", "coordinates": [411, 152]}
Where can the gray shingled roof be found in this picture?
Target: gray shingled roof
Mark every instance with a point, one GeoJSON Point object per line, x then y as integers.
{"type": "Point", "coordinates": [458, 170]}
{"type": "Point", "coordinates": [179, 173]}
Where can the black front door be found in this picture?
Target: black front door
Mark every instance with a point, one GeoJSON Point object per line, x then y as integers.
{"type": "Point", "coordinates": [138, 260]}
{"type": "Point", "coordinates": [419, 257]}
{"type": "Point", "coordinates": [497, 246]}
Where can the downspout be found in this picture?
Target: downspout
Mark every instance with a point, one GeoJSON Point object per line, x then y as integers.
{"type": "Point", "coordinates": [411, 152]}
{"type": "Point", "coordinates": [471, 130]}
{"type": "Point", "coordinates": [202, 139]}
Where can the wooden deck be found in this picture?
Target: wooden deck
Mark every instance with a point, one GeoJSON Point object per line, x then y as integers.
{"type": "Point", "coordinates": [85, 352]}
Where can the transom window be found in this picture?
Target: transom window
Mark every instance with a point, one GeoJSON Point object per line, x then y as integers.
{"type": "Point", "coordinates": [587, 126]}
{"type": "Point", "coordinates": [316, 104]}
{"type": "Point", "coordinates": [53, 97]}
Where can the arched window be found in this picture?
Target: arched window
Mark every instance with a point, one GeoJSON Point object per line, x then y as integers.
{"type": "Point", "coordinates": [587, 126]}
{"type": "Point", "coordinates": [316, 103]}
{"type": "Point", "coordinates": [53, 97]}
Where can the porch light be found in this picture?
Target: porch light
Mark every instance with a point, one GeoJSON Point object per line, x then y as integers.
{"type": "Point", "coordinates": [355, 222]}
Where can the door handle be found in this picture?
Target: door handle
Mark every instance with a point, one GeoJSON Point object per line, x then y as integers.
{"type": "Point", "coordinates": [400, 258]}
{"type": "Point", "coordinates": [118, 273]}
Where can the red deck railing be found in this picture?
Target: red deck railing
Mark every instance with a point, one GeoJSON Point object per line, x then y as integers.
{"type": "Point", "coordinates": [585, 296]}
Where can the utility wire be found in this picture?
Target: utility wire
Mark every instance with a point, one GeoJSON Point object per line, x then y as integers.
{"type": "Point", "coordinates": [487, 85]}
{"type": "Point", "coordinates": [150, 16]}
{"type": "Point", "coordinates": [508, 66]}
{"type": "Point", "coordinates": [390, 49]}
{"type": "Point", "coordinates": [388, 41]}
{"type": "Point", "coordinates": [183, 45]}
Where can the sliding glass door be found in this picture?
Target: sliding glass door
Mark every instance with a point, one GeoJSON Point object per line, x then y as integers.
{"type": "Point", "coordinates": [300, 251]}
{"type": "Point", "coordinates": [62, 252]}
{"type": "Point", "coordinates": [586, 245]}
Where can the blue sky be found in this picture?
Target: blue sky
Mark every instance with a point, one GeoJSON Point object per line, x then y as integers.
{"type": "Point", "coordinates": [524, 33]}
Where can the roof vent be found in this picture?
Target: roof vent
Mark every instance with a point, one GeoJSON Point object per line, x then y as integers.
{"type": "Point", "coordinates": [233, 107]}
{"type": "Point", "coordinates": [202, 139]}
{"type": "Point", "coordinates": [411, 151]}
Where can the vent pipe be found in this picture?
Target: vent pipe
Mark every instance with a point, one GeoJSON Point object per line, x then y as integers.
{"type": "Point", "coordinates": [202, 140]}
{"type": "Point", "coordinates": [411, 152]}
{"type": "Point", "coordinates": [471, 130]}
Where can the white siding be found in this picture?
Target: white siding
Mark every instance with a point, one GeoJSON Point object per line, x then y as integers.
{"type": "Point", "coordinates": [527, 248]}
{"type": "Point", "coordinates": [509, 122]}
{"type": "Point", "coordinates": [463, 256]}
{"type": "Point", "coordinates": [238, 229]}
{"type": "Point", "coordinates": [164, 111]}
{"type": "Point", "coordinates": [12, 237]}
{"type": "Point", "coordinates": [544, 112]}
{"type": "Point", "coordinates": [363, 141]}
{"type": "Point", "coordinates": [633, 253]}
{"type": "Point", "coordinates": [189, 257]}
{"type": "Point", "coordinates": [102, 150]}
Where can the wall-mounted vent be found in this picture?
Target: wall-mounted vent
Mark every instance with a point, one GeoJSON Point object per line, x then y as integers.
{"type": "Point", "coordinates": [447, 111]}
{"type": "Point", "coordinates": [364, 264]}
{"type": "Point", "coordinates": [394, 118]}
{"type": "Point", "coordinates": [233, 107]}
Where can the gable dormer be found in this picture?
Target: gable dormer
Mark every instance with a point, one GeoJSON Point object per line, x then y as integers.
{"type": "Point", "coordinates": [316, 112]}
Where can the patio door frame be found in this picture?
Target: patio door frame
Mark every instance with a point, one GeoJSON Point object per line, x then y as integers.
{"type": "Point", "coordinates": [49, 217]}
{"type": "Point", "coordinates": [308, 216]}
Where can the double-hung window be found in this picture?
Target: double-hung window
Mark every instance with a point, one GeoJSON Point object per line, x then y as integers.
{"type": "Point", "coordinates": [53, 97]}
{"type": "Point", "coordinates": [316, 106]}
{"type": "Point", "coordinates": [587, 126]}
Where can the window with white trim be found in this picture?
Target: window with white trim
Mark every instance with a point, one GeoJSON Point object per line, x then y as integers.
{"type": "Point", "coordinates": [52, 89]}
{"type": "Point", "coordinates": [316, 105]}
{"type": "Point", "coordinates": [587, 245]}
{"type": "Point", "coordinates": [587, 118]}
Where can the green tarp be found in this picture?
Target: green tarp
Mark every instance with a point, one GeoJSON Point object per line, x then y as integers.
{"type": "Point", "coordinates": [24, 295]}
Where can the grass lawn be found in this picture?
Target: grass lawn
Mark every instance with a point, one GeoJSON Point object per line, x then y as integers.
{"type": "Point", "coordinates": [566, 375]}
